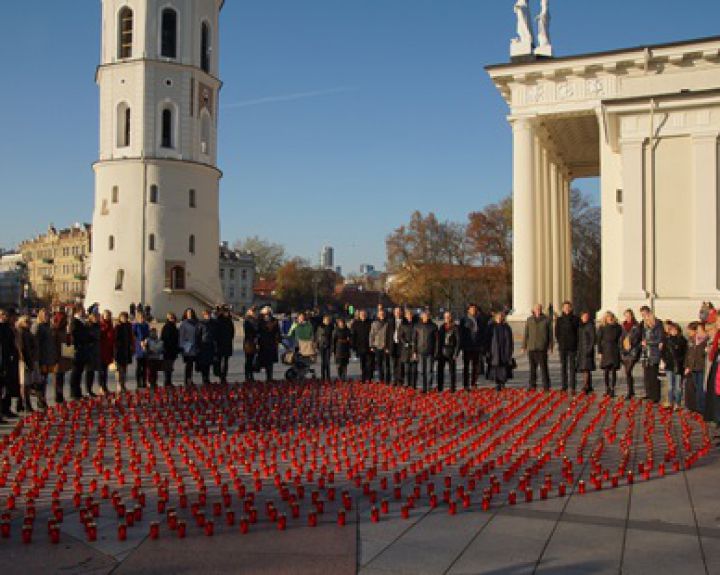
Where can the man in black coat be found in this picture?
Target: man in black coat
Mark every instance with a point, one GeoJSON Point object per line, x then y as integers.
{"type": "Point", "coordinates": [426, 347]}
{"type": "Point", "coordinates": [80, 337]}
{"type": "Point", "coordinates": [566, 336]}
{"type": "Point", "coordinates": [361, 344]}
{"type": "Point", "coordinates": [8, 353]}
{"type": "Point", "coordinates": [171, 347]}
{"type": "Point", "coordinates": [392, 342]}
{"type": "Point", "coordinates": [225, 332]}
{"type": "Point", "coordinates": [473, 334]}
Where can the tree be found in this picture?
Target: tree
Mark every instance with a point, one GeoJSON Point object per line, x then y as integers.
{"type": "Point", "coordinates": [490, 238]}
{"type": "Point", "coordinates": [268, 256]}
{"type": "Point", "coordinates": [586, 255]}
{"type": "Point", "coordinates": [298, 284]}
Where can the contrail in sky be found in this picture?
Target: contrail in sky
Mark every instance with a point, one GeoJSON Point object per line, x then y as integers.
{"type": "Point", "coordinates": [289, 97]}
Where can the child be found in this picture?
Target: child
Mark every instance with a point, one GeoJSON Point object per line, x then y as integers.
{"type": "Point", "coordinates": [674, 353]}
{"type": "Point", "coordinates": [154, 354]}
{"type": "Point", "coordinates": [695, 366]}
{"type": "Point", "coordinates": [342, 340]}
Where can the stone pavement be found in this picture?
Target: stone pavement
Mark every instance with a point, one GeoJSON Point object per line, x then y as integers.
{"type": "Point", "coordinates": [669, 526]}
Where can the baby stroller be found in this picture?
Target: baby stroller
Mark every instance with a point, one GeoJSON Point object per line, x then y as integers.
{"type": "Point", "coordinates": [300, 365]}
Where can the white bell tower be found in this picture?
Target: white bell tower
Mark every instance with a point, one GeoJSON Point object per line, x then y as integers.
{"type": "Point", "coordinates": [156, 235]}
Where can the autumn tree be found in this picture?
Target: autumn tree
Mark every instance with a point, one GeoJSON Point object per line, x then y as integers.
{"type": "Point", "coordinates": [586, 256]}
{"type": "Point", "coordinates": [298, 284]}
{"type": "Point", "coordinates": [268, 256]}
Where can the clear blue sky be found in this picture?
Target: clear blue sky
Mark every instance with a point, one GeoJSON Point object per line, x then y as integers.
{"type": "Point", "coordinates": [338, 117]}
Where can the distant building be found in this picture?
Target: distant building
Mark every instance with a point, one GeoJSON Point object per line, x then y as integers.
{"type": "Point", "coordinates": [367, 269]}
{"type": "Point", "coordinates": [13, 273]}
{"type": "Point", "coordinates": [327, 258]}
{"type": "Point", "coordinates": [338, 271]}
{"type": "Point", "coordinates": [237, 277]}
{"type": "Point", "coordinates": [58, 263]}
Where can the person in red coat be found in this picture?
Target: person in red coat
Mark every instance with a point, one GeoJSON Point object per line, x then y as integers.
{"type": "Point", "coordinates": [107, 348]}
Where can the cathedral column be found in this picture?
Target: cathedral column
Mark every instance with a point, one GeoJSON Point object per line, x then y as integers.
{"type": "Point", "coordinates": [567, 239]}
{"type": "Point", "coordinates": [524, 239]}
{"type": "Point", "coordinates": [539, 215]}
{"type": "Point", "coordinates": [633, 264]}
{"type": "Point", "coordinates": [547, 231]}
{"type": "Point", "coordinates": [705, 157]}
{"type": "Point", "coordinates": [557, 267]}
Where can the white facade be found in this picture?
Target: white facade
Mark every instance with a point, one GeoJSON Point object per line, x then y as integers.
{"type": "Point", "coordinates": [237, 276]}
{"type": "Point", "coordinates": [156, 219]}
{"type": "Point", "coordinates": [646, 121]}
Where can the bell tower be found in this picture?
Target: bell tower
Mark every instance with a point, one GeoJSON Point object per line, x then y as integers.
{"type": "Point", "coordinates": [156, 237]}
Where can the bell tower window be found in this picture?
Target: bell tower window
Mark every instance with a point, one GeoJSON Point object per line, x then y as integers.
{"type": "Point", "coordinates": [191, 244]}
{"type": "Point", "coordinates": [205, 47]}
{"type": "Point", "coordinates": [167, 128]}
{"type": "Point", "coordinates": [151, 242]}
{"type": "Point", "coordinates": [123, 125]}
{"type": "Point", "coordinates": [168, 33]}
{"type": "Point", "coordinates": [205, 133]}
{"type": "Point", "coordinates": [125, 33]}
{"type": "Point", "coordinates": [154, 193]}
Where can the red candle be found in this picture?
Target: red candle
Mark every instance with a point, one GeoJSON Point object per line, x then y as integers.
{"type": "Point", "coordinates": [5, 529]}
{"type": "Point", "coordinates": [230, 518]}
{"type": "Point", "coordinates": [55, 535]}
{"type": "Point", "coordinates": [181, 529]}
{"type": "Point", "coordinates": [312, 519]}
{"type": "Point", "coordinates": [374, 515]}
{"type": "Point", "coordinates": [512, 498]}
{"type": "Point", "coordinates": [282, 522]}
{"type": "Point", "coordinates": [27, 534]}
{"type": "Point", "coordinates": [209, 528]}
{"type": "Point", "coordinates": [130, 518]}
{"type": "Point", "coordinates": [154, 530]}
{"type": "Point", "coordinates": [122, 532]}
{"type": "Point", "coordinates": [452, 509]}
{"type": "Point", "coordinates": [405, 512]}
{"type": "Point", "coordinates": [92, 532]}
{"type": "Point", "coordinates": [341, 518]}
{"type": "Point", "coordinates": [244, 525]}
{"type": "Point", "coordinates": [581, 486]}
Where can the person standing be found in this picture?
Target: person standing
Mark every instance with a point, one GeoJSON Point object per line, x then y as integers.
{"type": "Point", "coordinates": [107, 349]}
{"type": "Point", "coordinates": [586, 350]}
{"type": "Point", "coordinates": [566, 334]}
{"type": "Point", "coordinates": [124, 349]}
{"type": "Point", "coordinates": [426, 348]}
{"type": "Point", "coordinates": [695, 367]}
{"type": "Point", "coordinates": [170, 337]}
{"type": "Point", "coordinates": [537, 342]}
{"type": "Point", "coordinates": [379, 346]}
{"type": "Point", "coordinates": [448, 351]}
{"type": "Point", "coordinates": [472, 336]}
{"type": "Point", "coordinates": [187, 339]}
{"type": "Point", "coordinates": [93, 364]}
{"type": "Point", "coordinates": [269, 338]}
{"type": "Point", "coordinates": [154, 353]}
{"type": "Point", "coordinates": [225, 342]}
{"type": "Point", "coordinates": [324, 345]}
{"type": "Point", "coordinates": [609, 340]}
{"type": "Point", "coordinates": [64, 364]}
{"type": "Point", "coordinates": [393, 346]}
{"type": "Point", "coordinates": [250, 343]}
{"type": "Point", "coordinates": [303, 334]}
{"type": "Point", "coordinates": [28, 366]}
{"type": "Point", "coordinates": [46, 353]}
{"type": "Point", "coordinates": [361, 344]}
{"type": "Point", "coordinates": [712, 393]}
{"type": "Point", "coordinates": [673, 355]}
{"type": "Point", "coordinates": [207, 345]}
{"type": "Point", "coordinates": [408, 352]}
{"type": "Point", "coordinates": [81, 342]}
{"type": "Point", "coordinates": [630, 349]}
{"type": "Point", "coordinates": [342, 345]}
{"type": "Point", "coordinates": [653, 339]}
{"type": "Point", "coordinates": [501, 363]}
{"type": "Point", "coordinates": [141, 332]}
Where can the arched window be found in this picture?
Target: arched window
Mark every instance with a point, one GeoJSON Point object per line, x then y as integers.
{"type": "Point", "coordinates": [192, 199]}
{"type": "Point", "coordinates": [177, 278]}
{"type": "Point", "coordinates": [167, 128]}
{"type": "Point", "coordinates": [123, 125]}
{"type": "Point", "coordinates": [111, 243]}
{"type": "Point", "coordinates": [125, 33]}
{"type": "Point", "coordinates": [205, 47]}
{"type": "Point", "coordinates": [115, 195]}
{"type": "Point", "coordinates": [154, 194]}
{"type": "Point", "coordinates": [191, 244]}
{"type": "Point", "coordinates": [119, 279]}
{"type": "Point", "coordinates": [151, 242]}
{"type": "Point", "coordinates": [168, 33]}
{"type": "Point", "coordinates": [205, 133]}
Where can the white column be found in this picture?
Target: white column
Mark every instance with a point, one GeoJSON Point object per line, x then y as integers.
{"type": "Point", "coordinates": [547, 228]}
{"type": "Point", "coordinates": [539, 216]}
{"type": "Point", "coordinates": [633, 240]}
{"type": "Point", "coordinates": [555, 233]}
{"type": "Point", "coordinates": [523, 217]}
{"type": "Point", "coordinates": [705, 252]}
{"type": "Point", "coordinates": [567, 240]}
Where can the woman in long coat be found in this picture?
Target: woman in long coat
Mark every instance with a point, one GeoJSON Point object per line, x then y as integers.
{"type": "Point", "coordinates": [586, 350]}
{"type": "Point", "coordinates": [268, 340]}
{"type": "Point", "coordinates": [187, 340]}
{"type": "Point", "coordinates": [27, 353]}
{"type": "Point", "coordinates": [653, 339]}
{"type": "Point", "coordinates": [712, 393]}
{"type": "Point", "coordinates": [124, 348]}
{"type": "Point", "coordinates": [250, 344]}
{"type": "Point", "coordinates": [609, 344]}
{"type": "Point", "coordinates": [94, 362]}
{"type": "Point", "coordinates": [64, 364]}
{"type": "Point", "coordinates": [206, 336]}
{"type": "Point", "coordinates": [107, 349]}
{"type": "Point", "coordinates": [170, 337]}
{"type": "Point", "coordinates": [501, 351]}
{"type": "Point", "coordinates": [47, 353]}
{"type": "Point", "coordinates": [342, 344]}
{"type": "Point", "coordinates": [630, 349]}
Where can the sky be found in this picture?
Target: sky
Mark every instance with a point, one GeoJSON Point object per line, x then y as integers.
{"type": "Point", "coordinates": [338, 118]}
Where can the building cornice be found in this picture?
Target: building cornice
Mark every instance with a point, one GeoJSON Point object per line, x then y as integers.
{"type": "Point", "coordinates": [157, 160]}
{"type": "Point", "coordinates": [212, 79]}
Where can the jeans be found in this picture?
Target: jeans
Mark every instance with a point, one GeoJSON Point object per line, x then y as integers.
{"type": "Point", "coordinates": [325, 355]}
{"type": "Point", "coordinates": [189, 365]}
{"type": "Point", "coordinates": [675, 390]}
{"type": "Point", "coordinates": [426, 363]}
{"type": "Point", "coordinates": [382, 365]}
{"type": "Point", "coordinates": [539, 359]}
{"type": "Point", "coordinates": [610, 380]}
{"type": "Point", "coordinates": [568, 366]}
{"type": "Point", "coordinates": [452, 367]}
{"type": "Point", "coordinates": [629, 365]}
{"type": "Point", "coordinates": [698, 378]}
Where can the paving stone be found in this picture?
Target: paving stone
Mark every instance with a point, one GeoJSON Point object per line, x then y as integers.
{"type": "Point", "coordinates": [659, 553]}
{"type": "Point", "coordinates": [585, 548]}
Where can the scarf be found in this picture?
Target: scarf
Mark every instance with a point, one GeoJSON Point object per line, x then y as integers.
{"type": "Point", "coordinates": [628, 325]}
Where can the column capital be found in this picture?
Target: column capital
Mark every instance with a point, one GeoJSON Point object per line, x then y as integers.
{"type": "Point", "coordinates": [522, 121]}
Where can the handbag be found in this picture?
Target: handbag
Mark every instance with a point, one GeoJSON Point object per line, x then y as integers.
{"type": "Point", "coordinates": [67, 351]}
{"type": "Point", "coordinates": [249, 347]}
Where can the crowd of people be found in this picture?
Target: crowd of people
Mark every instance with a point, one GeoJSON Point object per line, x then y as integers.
{"type": "Point", "coordinates": [400, 348]}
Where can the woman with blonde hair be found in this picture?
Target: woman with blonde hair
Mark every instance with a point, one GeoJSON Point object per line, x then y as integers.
{"type": "Point", "coordinates": [653, 340]}
{"type": "Point", "coordinates": [609, 339]}
{"type": "Point", "coordinates": [46, 353]}
{"type": "Point", "coordinates": [28, 367]}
